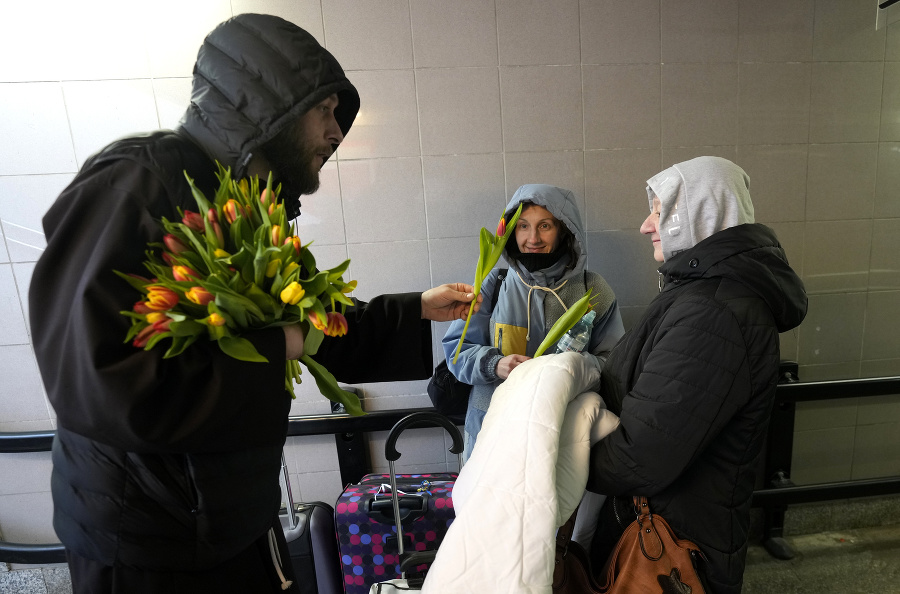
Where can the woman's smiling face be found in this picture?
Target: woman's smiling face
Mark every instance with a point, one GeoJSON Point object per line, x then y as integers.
{"type": "Point", "coordinates": [537, 231]}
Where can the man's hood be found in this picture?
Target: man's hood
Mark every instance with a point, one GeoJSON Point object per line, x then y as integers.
{"type": "Point", "coordinates": [561, 203]}
{"type": "Point", "coordinates": [254, 75]}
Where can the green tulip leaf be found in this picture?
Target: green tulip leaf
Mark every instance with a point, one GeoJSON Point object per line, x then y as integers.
{"type": "Point", "coordinates": [241, 349]}
{"type": "Point", "coordinates": [565, 323]}
{"type": "Point", "coordinates": [328, 387]}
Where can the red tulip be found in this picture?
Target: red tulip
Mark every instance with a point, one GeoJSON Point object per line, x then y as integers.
{"type": "Point", "coordinates": [174, 244]}
{"type": "Point", "coordinates": [193, 221]}
{"type": "Point", "coordinates": [169, 259]}
{"type": "Point", "coordinates": [143, 337]}
{"type": "Point", "coordinates": [141, 308]}
{"type": "Point", "coordinates": [501, 228]}
{"type": "Point", "coordinates": [212, 215]}
{"type": "Point", "coordinates": [220, 239]}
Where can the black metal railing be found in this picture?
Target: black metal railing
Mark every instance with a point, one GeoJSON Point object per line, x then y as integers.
{"type": "Point", "coordinates": [349, 433]}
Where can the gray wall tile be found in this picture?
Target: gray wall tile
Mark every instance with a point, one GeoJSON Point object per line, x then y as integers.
{"type": "Point", "coordinates": [775, 31]}
{"type": "Point", "coordinates": [699, 104]}
{"type": "Point", "coordinates": [832, 331]}
{"type": "Point", "coordinates": [617, 32]}
{"type": "Point", "coordinates": [452, 34]}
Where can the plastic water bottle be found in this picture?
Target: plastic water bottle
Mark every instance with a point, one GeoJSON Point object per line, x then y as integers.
{"type": "Point", "coordinates": [578, 336]}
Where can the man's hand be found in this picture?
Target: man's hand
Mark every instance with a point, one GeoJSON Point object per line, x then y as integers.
{"type": "Point", "coordinates": [293, 342]}
{"type": "Point", "coordinates": [508, 363]}
{"type": "Point", "coordinates": [448, 302]}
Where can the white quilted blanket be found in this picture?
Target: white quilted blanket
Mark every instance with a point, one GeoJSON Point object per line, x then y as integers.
{"type": "Point", "coordinates": [523, 480]}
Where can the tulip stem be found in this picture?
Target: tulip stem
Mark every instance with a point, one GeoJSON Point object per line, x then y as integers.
{"type": "Point", "coordinates": [466, 327]}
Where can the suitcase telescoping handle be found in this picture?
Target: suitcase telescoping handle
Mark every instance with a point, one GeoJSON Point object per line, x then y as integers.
{"type": "Point", "coordinates": [417, 419]}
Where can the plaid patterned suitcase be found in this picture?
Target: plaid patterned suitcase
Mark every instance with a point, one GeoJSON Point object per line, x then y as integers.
{"type": "Point", "coordinates": [365, 512]}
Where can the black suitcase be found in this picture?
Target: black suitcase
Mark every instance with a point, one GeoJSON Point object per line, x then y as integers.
{"type": "Point", "coordinates": [311, 542]}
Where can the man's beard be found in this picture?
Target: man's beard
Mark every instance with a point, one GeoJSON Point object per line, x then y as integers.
{"type": "Point", "coordinates": [297, 175]}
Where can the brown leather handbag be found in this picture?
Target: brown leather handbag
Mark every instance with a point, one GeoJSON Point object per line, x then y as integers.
{"type": "Point", "coordinates": [648, 558]}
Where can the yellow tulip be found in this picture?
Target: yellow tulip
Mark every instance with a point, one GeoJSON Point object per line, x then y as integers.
{"type": "Point", "coordinates": [292, 294]}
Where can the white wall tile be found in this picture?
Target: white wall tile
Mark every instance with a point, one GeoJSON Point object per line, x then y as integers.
{"type": "Point", "coordinates": [463, 193]}
{"type": "Point", "coordinates": [617, 32]}
{"type": "Point", "coordinates": [699, 104]}
{"type": "Point", "coordinates": [542, 108]}
{"type": "Point", "coordinates": [12, 320]}
{"type": "Point", "coordinates": [453, 260]}
{"type": "Point", "coordinates": [40, 130]}
{"type": "Point", "coordinates": [321, 214]}
{"type": "Point", "coordinates": [22, 273]}
{"type": "Point", "coordinates": [393, 267]}
{"type": "Point", "coordinates": [459, 110]}
{"type": "Point", "coordinates": [616, 180]}
{"type": "Point", "coordinates": [841, 181]}
{"type": "Point", "coordinates": [774, 103]}
{"type": "Point", "coordinates": [564, 169]}
{"type": "Point", "coordinates": [21, 391]}
{"type": "Point", "coordinates": [845, 31]}
{"type": "Point", "coordinates": [452, 34]}
{"type": "Point", "coordinates": [777, 180]}
{"type": "Point", "coordinates": [887, 183]}
{"type": "Point", "coordinates": [621, 106]}
{"type": "Point", "coordinates": [775, 31]}
{"type": "Point", "coordinates": [95, 28]}
{"type": "Point", "coordinates": [28, 517]}
{"type": "Point", "coordinates": [845, 101]}
{"type": "Point", "coordinates": [369, 35]}
{"type": "Point", "coordinates": [103, 111]}
{"type": "Point", "coordinates": [699, 31]}
{"type": "Point", "coordinates": [172, 43]}
{"type": "Point", "coordinates": [25, 472]}
{"type": "Point", "coordinates": [383, 200]}
{"type": "Point", "coordinates": [387, 124]}
{"type": "Point", "coordinates": [306, 14]}
{"type": "Point", "coordinates": [24, 199]}
{"type": "Point", "coordinates": [533, 32]}
{"type": "Point", "coordinates": [890, 103]}
{"type": "Point", "coordinates": [318, 486]}
{"type": "Point", "coordinates": [4, 253]}
{"type": "Point", "coordinates": [173, 95]}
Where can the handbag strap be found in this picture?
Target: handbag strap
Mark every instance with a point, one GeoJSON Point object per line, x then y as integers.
{"type": "Point", "coordinates": [564, 533]}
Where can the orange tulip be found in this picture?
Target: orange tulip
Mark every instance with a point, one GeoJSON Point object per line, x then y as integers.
{"type": "Point", "coordinates": [277, 235]}
{"type": "Point", "coordinates": [318, 322]}
{"type": "Point", "coordinates": [156, 316]}
{"type": "Point", "coordinates": [294, 240]}
{"type": "Point", "coordinates": [264, 196]}
{"type": "Point", "coordinates": [215, 319]}
{"type": "Point", "coordinates": [184, 273]}
{"type": "Point", "coordinates": [232, 210]}
{"type": "Point", "coordinates": [337, 324]}
{"type": "Point", "coordinates": [160, 298]}
{"type": "Point", "coordinates": [199, 295]}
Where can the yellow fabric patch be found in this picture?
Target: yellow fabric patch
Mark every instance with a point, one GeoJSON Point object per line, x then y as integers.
{"type": "Point", "coordinates": [510, 339]}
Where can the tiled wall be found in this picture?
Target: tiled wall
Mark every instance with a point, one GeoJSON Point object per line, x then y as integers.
{"type": "Point", "coordinates": [462, 102]}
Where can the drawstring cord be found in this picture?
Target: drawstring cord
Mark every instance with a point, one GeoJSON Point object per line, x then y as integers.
{"type": "Point", "coordinates": [531, 289]}
{"type": "Point", "coordinates": [276, 560]}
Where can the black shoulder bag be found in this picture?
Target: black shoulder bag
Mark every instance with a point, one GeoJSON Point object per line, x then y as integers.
{"type": "Point", "coordinates": [449, 395]}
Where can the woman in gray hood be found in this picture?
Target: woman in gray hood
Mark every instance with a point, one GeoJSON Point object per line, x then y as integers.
{"type": "Point", "coordinates": [547, 274]}
{"type": "Point", "coordinates": [694, 381]}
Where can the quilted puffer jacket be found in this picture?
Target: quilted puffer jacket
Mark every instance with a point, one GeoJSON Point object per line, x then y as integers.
{"type": "Point", "coordinates": [173, 464]}
{"type": "Point", "coordinates": [693, 384]}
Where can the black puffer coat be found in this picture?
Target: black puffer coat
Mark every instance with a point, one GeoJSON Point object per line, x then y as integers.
{"type": "Point", "coordinates": [172, 464]}
{"type": "Point", "coordinates": [693, 383]}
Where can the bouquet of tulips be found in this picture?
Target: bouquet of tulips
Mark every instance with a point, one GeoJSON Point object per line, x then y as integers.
{"type": "Point", "coordinates": [236, 265]}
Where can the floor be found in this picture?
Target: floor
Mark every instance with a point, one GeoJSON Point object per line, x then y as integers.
{"type": "Point", "coordinates": [863, 561]}
{"type": "Point", "coordinates": [855, 561]}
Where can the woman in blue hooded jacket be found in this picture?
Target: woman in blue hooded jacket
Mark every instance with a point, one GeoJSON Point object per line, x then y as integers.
{"type": "Point", "coordinates": [546, 256]}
